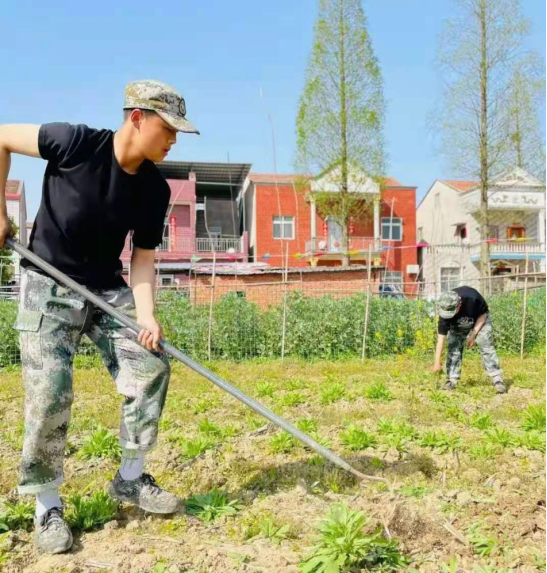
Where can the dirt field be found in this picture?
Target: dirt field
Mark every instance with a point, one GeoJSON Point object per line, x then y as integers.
{"type": "Point", "coordinates": [464, 480]}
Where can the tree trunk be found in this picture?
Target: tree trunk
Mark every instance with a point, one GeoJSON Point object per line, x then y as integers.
{"type": "Point", "coordinates": [344, 137]}
{"type": "Point", "coordinates": [485, 251]}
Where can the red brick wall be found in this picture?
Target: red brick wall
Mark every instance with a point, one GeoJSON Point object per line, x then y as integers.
{"type": "Point", "coordinates": [267, 289]}
{"type": "Point", "coordinates": [291, 203]}
{"type": "Point", "coordinates": [404, 206]}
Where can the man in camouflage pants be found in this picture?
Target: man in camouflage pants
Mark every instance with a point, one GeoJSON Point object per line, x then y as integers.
{"type": "Point", "coordinates": [98, 186]}
{"type": "Point", "coordinates": [464, 318]}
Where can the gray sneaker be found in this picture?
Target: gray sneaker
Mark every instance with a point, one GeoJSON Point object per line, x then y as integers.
{"type": "Point", "coordinates": [450, 385]}
{"type": "Point", "coordinates": [51, 533]}
{"type": "Point", "coordinates": [499, 386]}
{"type": "Point", "coordinates": [144, 493]}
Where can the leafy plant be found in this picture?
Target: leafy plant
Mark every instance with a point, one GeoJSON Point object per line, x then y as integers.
{"type": "Point", "coordinates": [533, 441]}
{"type": "Point", "coordinates": [482, 544]}
{"type": "Point", "coordinates": [264, 389]}
{"type": "Point", "coordinates": [307, 425]}
{"type": "Point", "coordinates": [16, 515]}
{"type": "Point", "coordinates": [204, 405]}
{"type": "Point", "coordinates": [533, 418]}
{"type": "Point", "coordinates": [414, 490]}
{"type": "Point", "coordinates": [357, 439]}
{"type": "Point", "coordinates": [501, 437]}
{"type": "Point", "coordinates": [394, 426]}
{"type": "Point", "coordinates": [379, 392]}
{"type": "Point", "coordinates": [212, 505]}
{"type": "Point", "coordinates": [293, 399]}
{"type": "Point", "coordinates": [282, 443]}
{"type": "Point", "coordinates": [87, 512]}
{"type": "Point", "coordinates": [484, 450]}
{"type": "Point", "coordinates": [273, 531]}
{"type": "Point", "coordinates": [481, 421]}
{"type": "Point", "coordinates": [342, 545]}
{"type": "Point", "coordinates": [209, 428]}
{"type": "Point", "coordinates": [332, 393]}
{"type": "Point", "coordinates": [440, 441]}
{"type": "Point", "coordinates": [102, 443]}
{"type": "Point", "coordinates": [196, 447]}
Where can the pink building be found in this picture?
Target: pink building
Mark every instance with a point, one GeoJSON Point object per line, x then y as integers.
{"type": "Point", "coordinates": [205, 219]}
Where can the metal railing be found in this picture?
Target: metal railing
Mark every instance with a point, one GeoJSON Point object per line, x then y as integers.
{"type": "Point", "coordinates": [322, 245]}
{"type": "Point", "coordinates": [495, 247]}
{"type": "Point", "coordinates": [203, 245]}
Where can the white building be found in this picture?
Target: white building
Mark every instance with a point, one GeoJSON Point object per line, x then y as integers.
{"type": "Point", "coordinates": [17, 210]}
{"type": "Point", "coordinates": [448, 220]}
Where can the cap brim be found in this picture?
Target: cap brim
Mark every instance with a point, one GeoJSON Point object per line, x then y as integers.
{"type": "Point", "coordinates": [178, 122]}
{"type": "Point", "coordinates": [447, 314]}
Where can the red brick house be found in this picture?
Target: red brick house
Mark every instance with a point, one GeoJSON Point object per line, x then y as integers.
{"type": "Point", "coordinates": [249, 220]}
{"type": "Point", "coordinates": [282, 217]}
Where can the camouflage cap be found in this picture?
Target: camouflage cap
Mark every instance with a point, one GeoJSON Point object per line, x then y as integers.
{"type": "Point", "coordinates": [448, 304]}
{"type": "Point", "coordinates": [161, 98]}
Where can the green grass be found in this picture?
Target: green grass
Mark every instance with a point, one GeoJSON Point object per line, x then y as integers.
{"type": "Point", "coordinates": [282, 443]}
{"type": "Point", "coordinates": [16, 515]}
{"type": "Point", "coordinates": [441, 441]}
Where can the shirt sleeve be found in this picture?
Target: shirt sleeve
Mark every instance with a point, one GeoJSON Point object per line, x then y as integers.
{"type": "Point", "coordinates": [148, 234]}
{"type": "Point", "coordinates": [442, 327]}
{"type": "Point", "coordinates": [59, 142]}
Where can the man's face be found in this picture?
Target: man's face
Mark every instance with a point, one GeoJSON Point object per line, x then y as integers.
{"type": "Point", "coordinates": [156, 137]}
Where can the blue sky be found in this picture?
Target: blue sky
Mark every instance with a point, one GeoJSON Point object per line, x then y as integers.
{"type": "Point", "coordinates": [70, 62]}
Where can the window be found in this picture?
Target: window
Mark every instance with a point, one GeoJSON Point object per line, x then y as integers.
{"type": "Point", "coordinates": [461, 231]}
{"type": "Point", "coordinates": [166, 234]}
{"type": "Point", "coordinates": [516, 232]}
{"type": "Point", "coordinates": [283, 227]}
{"type": "Point", "coordinates": [450, 278]}
{"type": "Point", "coordinates": [393, 278]}
{"type": "Point", "coordinates": [392, 229]}
{"type": "Point", "coordinates": [420, 234]}
{"type": "Point", "coordinates": [167, 280]}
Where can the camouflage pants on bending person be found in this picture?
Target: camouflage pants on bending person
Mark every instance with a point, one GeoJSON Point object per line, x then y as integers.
{"type": "Point", "coordinates": [51, 321]}
{"type": "Point", "coordinates": [485, 344]}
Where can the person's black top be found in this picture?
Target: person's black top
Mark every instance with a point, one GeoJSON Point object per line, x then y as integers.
{"type": "Point", "coordinates": [89, 204]}
{"type": "Point", "coordinates": [473, 306]}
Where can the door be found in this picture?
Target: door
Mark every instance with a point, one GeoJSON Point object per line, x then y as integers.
{"type": "Point", "coordinates": [335, 236]}
{"type": "Point", "coordinates": [516, 232]}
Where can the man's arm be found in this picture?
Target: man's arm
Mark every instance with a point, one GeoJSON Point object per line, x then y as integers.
{"type": "Point", "coordinates": [143, 281]}
{"type": "Point", "coordinates": [476, 329]}
{"type": "Point", "coordinates": [16, 138]}
{"type": "Point", "coordinates": [439, 352]}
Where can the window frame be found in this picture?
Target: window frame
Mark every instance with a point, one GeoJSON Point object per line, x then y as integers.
{"type": "Point", "coordinates": [449, 281]}
{"type": "Point", "coordinates": [390, 221]}
{"type": "Point", "coordinates": [282, 226]}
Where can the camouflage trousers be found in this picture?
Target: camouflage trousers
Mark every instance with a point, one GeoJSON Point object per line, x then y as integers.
{"type": "Point", "coordinates": [485, 343]}
{"type": "Point", "coordinates": [51, 321]}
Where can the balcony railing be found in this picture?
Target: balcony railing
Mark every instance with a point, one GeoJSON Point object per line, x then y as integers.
{"type": "Point", "coordinates": [203, 245]}
{"type": "Point", "coordinates": [509, 247]}
{"type": "Point", "coordinates": [321, 245]}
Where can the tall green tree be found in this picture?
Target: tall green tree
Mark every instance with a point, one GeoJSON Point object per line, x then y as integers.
{"type": "Point", "coordinates": [526, 98]}
{"type": "Point", "coordinates": [478, 49]}
{"type": "Point", "coordinates": [341, 115]}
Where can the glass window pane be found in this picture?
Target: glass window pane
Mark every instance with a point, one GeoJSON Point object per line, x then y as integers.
{"type": "Point", "coordinates": [277, 231]}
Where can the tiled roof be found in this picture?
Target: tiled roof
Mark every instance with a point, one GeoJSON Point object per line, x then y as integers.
{"type": "Point", "coordinates": [13, 187]}
{"type": "Point", "coordinates": [461, 185]}
{"type": "Point", "coordinates": [273, 178]}
{"type": "Point", "coordinates": [293, 178]}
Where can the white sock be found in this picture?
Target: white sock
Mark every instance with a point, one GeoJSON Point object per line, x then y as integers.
{"type": "Point", "coordinates": [46, 500]}
{"type": "Point", "coordinates": [132, 464]}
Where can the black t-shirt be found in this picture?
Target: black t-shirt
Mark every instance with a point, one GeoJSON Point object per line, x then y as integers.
{"type": "Point", "coordinates": [473, 306]}
{"type": "Point", "coordinates": [89, 204]}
